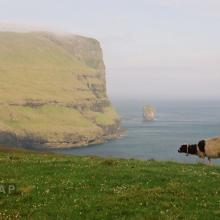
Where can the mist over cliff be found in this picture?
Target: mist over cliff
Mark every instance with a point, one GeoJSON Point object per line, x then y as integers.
{"type": "Point", "coordinates": [53, 91]}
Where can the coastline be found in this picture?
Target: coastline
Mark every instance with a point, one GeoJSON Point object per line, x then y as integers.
{"type": "Point", "coordinates": [31, 142]}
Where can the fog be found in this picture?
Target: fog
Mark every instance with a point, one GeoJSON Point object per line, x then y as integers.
{"type": "Point", "coordinates": [154, 49]}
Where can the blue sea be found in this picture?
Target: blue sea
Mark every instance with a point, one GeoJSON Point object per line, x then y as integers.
{"type": "Point", "coordinates": [177, 122]}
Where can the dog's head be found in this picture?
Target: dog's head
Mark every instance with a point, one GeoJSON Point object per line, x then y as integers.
{"type": "Point", "coordinates": [183, 149]}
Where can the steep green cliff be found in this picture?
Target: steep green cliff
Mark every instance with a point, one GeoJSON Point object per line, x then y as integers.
{"type": "Point", "coordinates": [53, 91]}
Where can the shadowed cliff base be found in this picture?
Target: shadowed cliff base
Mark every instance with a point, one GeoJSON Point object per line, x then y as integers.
{"type": "Point", "coordinates": [30, 141]}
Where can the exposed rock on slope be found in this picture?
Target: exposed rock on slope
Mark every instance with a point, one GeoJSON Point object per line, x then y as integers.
{"type": "Point", "coordinates": [53, 91]}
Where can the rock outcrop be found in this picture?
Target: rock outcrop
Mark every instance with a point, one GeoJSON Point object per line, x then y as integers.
{"type": "Point", "coordinates": [53, 91]}
{"type": "Point", "coordinates": [149, 113]}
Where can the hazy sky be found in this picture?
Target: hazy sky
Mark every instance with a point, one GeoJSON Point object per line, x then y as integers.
{"type": "Point", "coordinates": [152, 48]}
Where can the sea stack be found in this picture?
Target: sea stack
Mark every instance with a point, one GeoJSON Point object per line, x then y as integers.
{"type": "Point", "coordinates": [149, 113]}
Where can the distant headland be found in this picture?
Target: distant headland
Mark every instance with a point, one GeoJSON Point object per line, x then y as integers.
{"type": "Point", "coordinates": [53, 91]}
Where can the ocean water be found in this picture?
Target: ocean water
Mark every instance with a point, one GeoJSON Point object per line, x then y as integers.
{"type": "Point", "coordinates": [177, 122]}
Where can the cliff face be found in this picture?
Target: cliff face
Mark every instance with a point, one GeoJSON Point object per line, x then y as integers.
{"type": "Point", "coordinates": [53, 91]}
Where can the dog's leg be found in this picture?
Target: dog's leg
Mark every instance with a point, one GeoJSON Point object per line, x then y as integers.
{"type": "Point", "coordinates": [201, 160]}
{"type": "Point", "coordinates": [209, 159]}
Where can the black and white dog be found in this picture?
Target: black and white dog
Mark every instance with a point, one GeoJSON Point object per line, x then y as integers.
{"type": "Point", "coordinates": [209, 148]}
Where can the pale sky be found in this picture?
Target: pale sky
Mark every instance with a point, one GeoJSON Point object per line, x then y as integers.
{"type": "Point", "coordinates": [153, 49]}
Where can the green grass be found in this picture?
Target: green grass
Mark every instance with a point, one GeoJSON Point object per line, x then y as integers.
{"type": "Point", "coordinates": [52, 186]}
{"type": "Point", "coordinates": [107, 117]}
{"type": "Point", "coordinates": [50, 122]}
{"type": "Point", "coordinates": [40, 66]}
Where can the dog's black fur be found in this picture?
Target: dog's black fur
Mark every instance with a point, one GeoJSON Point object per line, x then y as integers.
{"type": "Point", "coordinates": [201, 146]}
{"type": "Point", "coordinates": [190, 149]}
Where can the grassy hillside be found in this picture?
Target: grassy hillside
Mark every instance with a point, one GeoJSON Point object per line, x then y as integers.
{"type": "Point", "coordinates": [35, 67]}
{"type": "Point", "coordinates": [52, 186]}
{"type": "Point", "coordinates": [52, 87]}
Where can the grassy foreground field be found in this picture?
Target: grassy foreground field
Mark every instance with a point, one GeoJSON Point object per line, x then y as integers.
{"type": "Point", "coordinates": [51, 186]}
